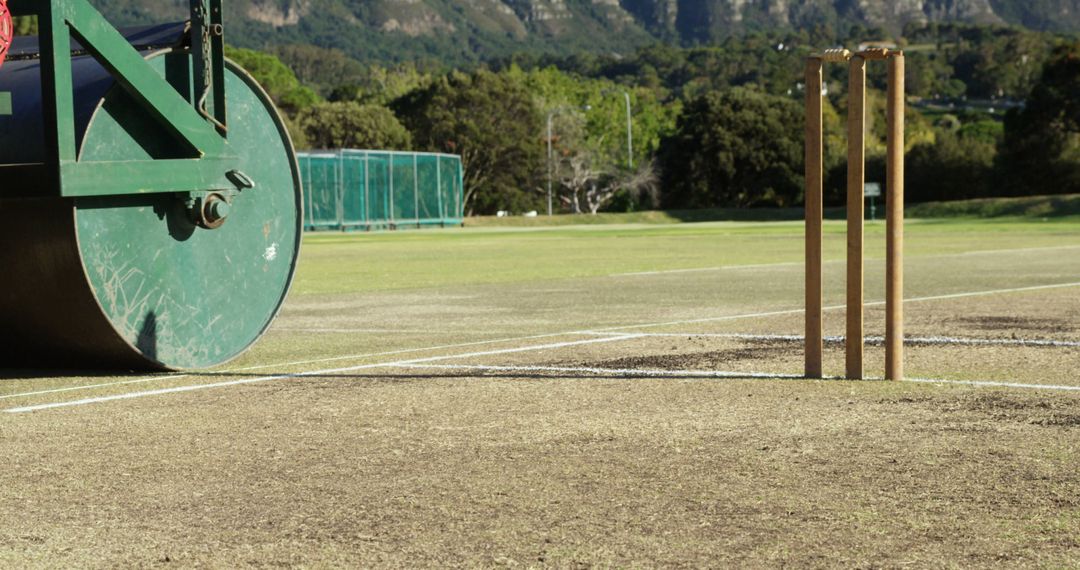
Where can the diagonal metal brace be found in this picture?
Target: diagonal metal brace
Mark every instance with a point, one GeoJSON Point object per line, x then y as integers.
{"type": "Point", "coordinates": [129, 68]}
{"type": "Point", "coordinates": [205, 158]}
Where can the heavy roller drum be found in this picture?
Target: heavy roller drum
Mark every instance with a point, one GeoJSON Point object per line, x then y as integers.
{"type": "Point", "coordinates": [154, 254]}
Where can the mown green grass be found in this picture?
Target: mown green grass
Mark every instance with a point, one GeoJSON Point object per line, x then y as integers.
{"type": "Point", "coordinates": [341, 263]}
{"type": "Point", "coordinates": [644, 217]}
{"type": "Point", "coordinates": [1063, 206]}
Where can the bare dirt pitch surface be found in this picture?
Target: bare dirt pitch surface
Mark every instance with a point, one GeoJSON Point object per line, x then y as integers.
{"type": "Point", "coordinates": [622, 397]}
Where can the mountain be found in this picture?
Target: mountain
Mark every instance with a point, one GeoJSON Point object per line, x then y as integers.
{"type": "Point", "coordinates": [470, 30]}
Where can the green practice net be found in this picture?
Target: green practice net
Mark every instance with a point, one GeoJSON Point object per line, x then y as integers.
{"type": "Point", "coordinates": [367, 189]}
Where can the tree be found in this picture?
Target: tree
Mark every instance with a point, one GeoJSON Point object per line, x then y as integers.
{"type": "Point", "coordinates": [732, 149]}
{"type": "Point", "coordinates": [636, 184]}
{"type": "Point", "coordinates": [1041, 151]}
{"type": "Point", "coordinates": [25, 25]}
{"type": "Point", "coordinates": [322, 69]}
{"type": "Point", "coordinates": [956, 166]}
{"type": "Point", "coordinates": [603, 127]}
{"type": "Point", "coordinates": [381, 85]}
{"type": "Point", "coordinates": [278, 80]}
{"type": "Point", "coordinates": [352, 125]}
{"type": "Point", "coordinates": [491, 121]}
{"type": "Point", "coordinates": [589, 176]}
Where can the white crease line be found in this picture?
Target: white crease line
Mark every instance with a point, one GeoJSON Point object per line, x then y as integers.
{"type": "Point", "coordinates": [345, 330]}
{"type": "Point", "coordinates": [935, 340]}
{"type": "Point", "coordinates": [92, 386]}
{"type": "Point", "coordinates": [737, 336]}
{"type": "Point", "coordinates": [552, 335]}
{"type": "Point", "coordinates": [793, 263]}
{"type": "Point", "coordinates": [408, 350]}
{"type": "Point", "coordinates": [285, 364]}
{"type": "Point", "coordinates": [358, 330]}
{"type": "Point", "coordinates": [647, 373]}
{"type": "Point", "coordinates": [989, 292]}
{"type": "Point", "coordinates": [707, 320]}
{"type": "Point", "coordinates": [991, 384]}
{"type": "Point", "coordinates": [652, 373]}
{"type": "Point", "coordinates": [838, 307]}
{"type": "Point", "coordinates": [875, 340]}
{"type": "Point", "coordinates": [131, 395]}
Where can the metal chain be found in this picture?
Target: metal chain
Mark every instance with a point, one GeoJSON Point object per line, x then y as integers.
{"type": "Point", "coordinates": [203, 13]}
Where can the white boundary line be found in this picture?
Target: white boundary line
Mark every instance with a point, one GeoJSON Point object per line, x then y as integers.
{"type": "Point", "coordinates": [191, 388]}
{"type": "Point", "coordinates": [876, 340]}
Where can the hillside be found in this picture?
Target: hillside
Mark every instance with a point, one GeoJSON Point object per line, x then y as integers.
{"type": "Point", "coordinates": [470, 30]}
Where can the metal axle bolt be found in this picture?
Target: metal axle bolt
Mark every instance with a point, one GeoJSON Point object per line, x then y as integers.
{"type": "Point", "coordinates": [219, 210]}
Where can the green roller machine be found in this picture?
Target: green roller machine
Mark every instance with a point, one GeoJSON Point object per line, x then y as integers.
{"type": "Point", "coordinates": [150, 200]}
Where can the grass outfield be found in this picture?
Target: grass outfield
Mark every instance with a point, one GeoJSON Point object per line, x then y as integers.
{"type": "Point", "coordinates": [618, 395]}
{"type": "Point", "coordinates": [1032, 207]}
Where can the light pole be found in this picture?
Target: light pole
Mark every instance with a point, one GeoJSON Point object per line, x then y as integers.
{"type": "Point", "coordinates": [629, 127]}
{"type": "Point", "coordinates": [551, 114]}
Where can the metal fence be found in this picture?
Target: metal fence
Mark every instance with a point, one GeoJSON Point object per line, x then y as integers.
{"type": "Point", "coordinates": [377, 189]}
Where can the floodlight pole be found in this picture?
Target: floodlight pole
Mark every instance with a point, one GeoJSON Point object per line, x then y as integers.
{"type": "Point", "coordinates": [629, 132]}
{"type": "Point", "coordinates": [549, 166]}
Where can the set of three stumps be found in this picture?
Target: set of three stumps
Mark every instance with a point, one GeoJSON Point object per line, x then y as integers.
{"type": "Point", "coordinates": [856, 176]}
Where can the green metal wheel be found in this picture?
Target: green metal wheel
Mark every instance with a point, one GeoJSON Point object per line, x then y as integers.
{"type": "Point", "coordinates": [132, 281]}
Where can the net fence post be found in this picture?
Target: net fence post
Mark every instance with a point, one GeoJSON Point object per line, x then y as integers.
{"type": "Point", "coordinates": [311, 199]}
{"type": "Point", "coordinates": [340, 194]}
{"type": "Point", "coordinates": [367, 192]}
{"type": "Point", "coordinates": [438, 182]}
{"type": "Point", "coordinates": [416, 189]}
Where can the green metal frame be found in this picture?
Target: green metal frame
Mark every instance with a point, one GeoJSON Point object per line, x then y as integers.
{"type": "Point", "coordinates": [198, 126]}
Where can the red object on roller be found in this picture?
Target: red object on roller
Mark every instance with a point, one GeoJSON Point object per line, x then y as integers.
{"type": "Point", "coordinates": [7, 30]}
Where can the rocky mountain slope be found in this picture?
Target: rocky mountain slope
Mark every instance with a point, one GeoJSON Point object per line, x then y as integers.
{"type": "Point", "coordinates": [476, 29]}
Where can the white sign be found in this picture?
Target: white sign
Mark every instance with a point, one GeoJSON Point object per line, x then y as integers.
{"type": "Point", "coordinates": [872, 190]}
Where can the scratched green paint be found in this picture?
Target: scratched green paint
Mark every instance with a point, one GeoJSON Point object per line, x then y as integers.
{"type": "Point", "coordinates": [183, 296]}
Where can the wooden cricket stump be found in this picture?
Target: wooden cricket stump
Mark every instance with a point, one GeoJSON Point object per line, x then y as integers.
{"type": "Point", "coordinates": [894, 295]}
